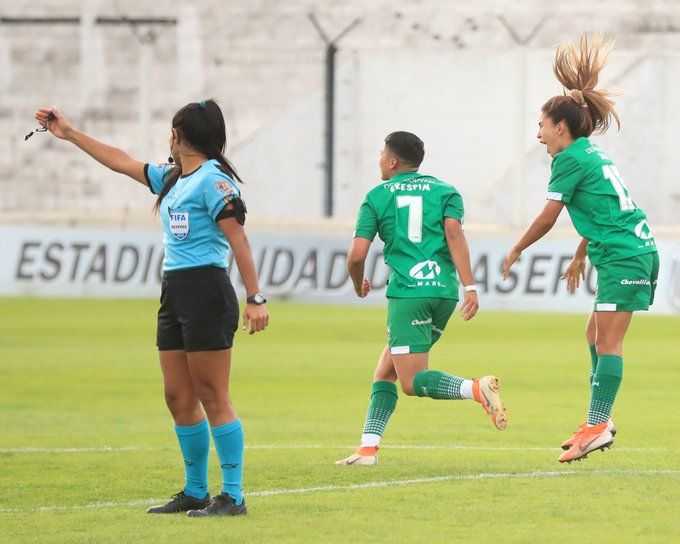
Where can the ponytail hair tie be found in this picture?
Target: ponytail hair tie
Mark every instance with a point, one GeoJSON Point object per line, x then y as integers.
{"type": "Point", "coordinates": [201, 104]}
{"type": "Point", "coordinates": [577, 96]}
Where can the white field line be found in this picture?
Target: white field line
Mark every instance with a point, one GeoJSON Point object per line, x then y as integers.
{"type": "Point", "coordinates": [122, 449]}
{"type": "Point", "coordinates": [102, 449]}
{"type": "Point", "coordinates": [367, 485]}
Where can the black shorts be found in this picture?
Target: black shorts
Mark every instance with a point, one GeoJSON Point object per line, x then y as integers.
{"type": "Point", "coordinates": [199, 310]}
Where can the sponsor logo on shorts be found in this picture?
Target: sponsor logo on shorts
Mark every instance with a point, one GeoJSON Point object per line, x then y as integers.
{"type": "Point", "coordinates": [636, 282]}
{"type": "Point", "coordinates": [418, 322]}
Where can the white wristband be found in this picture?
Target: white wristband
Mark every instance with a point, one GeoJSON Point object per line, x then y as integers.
{"type": "Point", "coordinates": [471, 287]}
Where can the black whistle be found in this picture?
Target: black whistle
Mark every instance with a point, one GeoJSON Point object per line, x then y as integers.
{"type": "Point", "coordinates": [50, 117]}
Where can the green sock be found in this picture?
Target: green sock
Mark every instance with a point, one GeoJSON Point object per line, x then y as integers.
{"type": "Point", "coordinates": [437, 385]}
{"type": "Point", "coordinates": [593, 361]}
{"type": "Point", "coordinates": [383, 402]}
{"type": "Point", "coordinates": [605, 385]}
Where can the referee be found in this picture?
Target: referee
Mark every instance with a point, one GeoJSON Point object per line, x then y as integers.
{"type": "Point", "coordinates": [202, 215]}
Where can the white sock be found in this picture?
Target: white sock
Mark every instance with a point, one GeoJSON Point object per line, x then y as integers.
{"type": "Point", "coordinates": [466, 389]}
{"type": "Point", "coordinates": [370, 440]}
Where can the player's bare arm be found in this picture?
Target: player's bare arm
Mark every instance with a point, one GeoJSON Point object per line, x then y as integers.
{"type": "Point", "coordinates": [537, 230]}
{"type": "Point", "coordinates": [576, 271]}
{"type": "Point", "coordinates": [460, 254]}
{"type": "Point", "coordinates": [356, 260]}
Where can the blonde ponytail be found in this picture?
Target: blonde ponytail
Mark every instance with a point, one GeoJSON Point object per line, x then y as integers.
{"type": "Point", "coordinates": [577, 67]}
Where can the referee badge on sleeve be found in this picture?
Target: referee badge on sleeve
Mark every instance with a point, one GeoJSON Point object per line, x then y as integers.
{"type": "Point", "coordinates": [179, 224]}
{"type": "Point", "coordinates": [226, 188]}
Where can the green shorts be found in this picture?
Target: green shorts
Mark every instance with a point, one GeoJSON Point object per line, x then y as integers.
{"type": "Point", "coordinates": [627, 285]}
{"type": "Point", "coordinates": [415, 324]}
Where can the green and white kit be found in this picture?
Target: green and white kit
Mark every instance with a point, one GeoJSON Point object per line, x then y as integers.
{"type": "Point", "coordinates": [621, 245]}
{"type": "Point", "coordinates": [407, 212]}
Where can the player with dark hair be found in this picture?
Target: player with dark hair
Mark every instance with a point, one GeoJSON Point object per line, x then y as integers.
{"type": "Point", "coordinates": [419, 217]}
{"type": "Point", "coordinates": [615, 233]}
{"type": "Point", "coordinates": [202, 215]}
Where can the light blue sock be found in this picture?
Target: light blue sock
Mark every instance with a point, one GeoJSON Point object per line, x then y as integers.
{"type": "Point", "coordinates": [194, 441]}
{"type": "Point", "coordinates": [229, 445]}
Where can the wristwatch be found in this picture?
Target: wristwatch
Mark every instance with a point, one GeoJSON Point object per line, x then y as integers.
{"type": "Point", "coordinates": [258, 299]}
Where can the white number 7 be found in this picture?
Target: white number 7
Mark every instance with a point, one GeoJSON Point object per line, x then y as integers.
{"type": "Point", "coordinates": [415, 216]}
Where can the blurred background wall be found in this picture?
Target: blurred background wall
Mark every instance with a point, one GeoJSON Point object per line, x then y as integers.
{"type": "Point", "coordinates": [468, 77]}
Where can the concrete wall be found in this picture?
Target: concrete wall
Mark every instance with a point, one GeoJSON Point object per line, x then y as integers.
{"type": "Point", "coordinates": [469, 77]}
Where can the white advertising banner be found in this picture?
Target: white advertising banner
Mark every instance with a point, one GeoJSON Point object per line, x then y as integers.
{"type": "Point", "coordinates": [84, 262]}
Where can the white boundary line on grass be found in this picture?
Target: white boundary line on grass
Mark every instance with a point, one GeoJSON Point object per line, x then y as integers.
{"type": "Point", "coordinates": [102, 449]}
{"type": "Point", "coordinates": [366, 485]}
{"type": "Point", "coordinates": [122, 449]}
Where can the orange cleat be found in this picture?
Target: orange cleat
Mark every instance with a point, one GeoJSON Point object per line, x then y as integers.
{"type": "Point", "coordinates": [569, 441]}
{"type": "Point", "coordinates": [363, 456]}
{"type": "Point", "coordinates": [597, 437]}
{"type": "Point", "coordinates": [486, 391]}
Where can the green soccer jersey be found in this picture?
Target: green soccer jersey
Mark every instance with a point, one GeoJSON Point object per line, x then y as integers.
{"type": "Point", "coordinates": [599, 203]}
{"type": "Point", "coordinates": [408, 212]}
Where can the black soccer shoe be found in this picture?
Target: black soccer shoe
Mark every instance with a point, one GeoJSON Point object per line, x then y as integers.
{"type": "Point", "coordinates": [220, 505]}
{"type": "Point", "coordinates": [180, 503]}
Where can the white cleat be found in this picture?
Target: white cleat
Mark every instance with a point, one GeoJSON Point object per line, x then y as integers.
{"type": "Point", "coordinates": [486, 391]}
{"type": "Point", "coordinates": [363, 456]}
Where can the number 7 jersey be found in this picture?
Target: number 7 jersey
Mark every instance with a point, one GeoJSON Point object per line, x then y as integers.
{"type": "Point", "coordinates": [599, 203]}
{"type": "Point", "coordinates": [408, 212]}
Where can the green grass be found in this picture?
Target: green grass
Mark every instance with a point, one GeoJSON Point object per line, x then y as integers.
{"type": "Point", "coordinates": [84, 374]}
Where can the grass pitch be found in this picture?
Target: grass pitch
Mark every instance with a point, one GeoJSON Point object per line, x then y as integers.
{"type": "Point", "coordinates": [86, 442]}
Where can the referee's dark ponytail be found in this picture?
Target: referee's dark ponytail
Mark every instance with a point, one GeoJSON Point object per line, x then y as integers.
{"type": "Point", "coordinates": [201, 125]}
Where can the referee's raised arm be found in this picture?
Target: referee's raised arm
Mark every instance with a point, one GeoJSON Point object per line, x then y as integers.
{"type": "Point", "coordinates": [111, 157]}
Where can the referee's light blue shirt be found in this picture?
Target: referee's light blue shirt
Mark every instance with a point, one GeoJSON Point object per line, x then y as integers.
{"type": "Point", "coordinates": [191, 237]}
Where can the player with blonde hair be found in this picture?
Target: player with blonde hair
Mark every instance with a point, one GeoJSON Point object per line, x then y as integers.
{"type": "Point", "coordinates": [615, 233]}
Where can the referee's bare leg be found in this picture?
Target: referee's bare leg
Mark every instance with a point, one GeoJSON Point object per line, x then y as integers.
{"type": "Point", "coordinates": [193, 433]}
{"type": "Point", "coordinates": [210, 373]}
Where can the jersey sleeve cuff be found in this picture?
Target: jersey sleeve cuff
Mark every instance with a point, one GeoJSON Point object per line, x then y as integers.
{"type": "Point", "coordinates": [555, 196]}
{"type": "Point", "coordinates": [363, 234]}
{"type": "Point", "coordinates": [146, 177]}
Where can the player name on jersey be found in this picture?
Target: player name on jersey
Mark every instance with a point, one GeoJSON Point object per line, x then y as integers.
{"type": "Point", "coordinates": [407, 187]}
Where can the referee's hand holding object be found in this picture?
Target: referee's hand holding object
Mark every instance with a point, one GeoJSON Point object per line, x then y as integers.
{"type": "Point", "coordinates": [255, 318]}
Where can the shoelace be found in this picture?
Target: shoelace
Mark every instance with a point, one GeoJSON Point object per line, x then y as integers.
{"type": "Point", "coordinates": [214, 504]}
{"type": "Point", "coordinates": [220, 500]}
{"type": "Point", "coordinates": [178, 497]}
